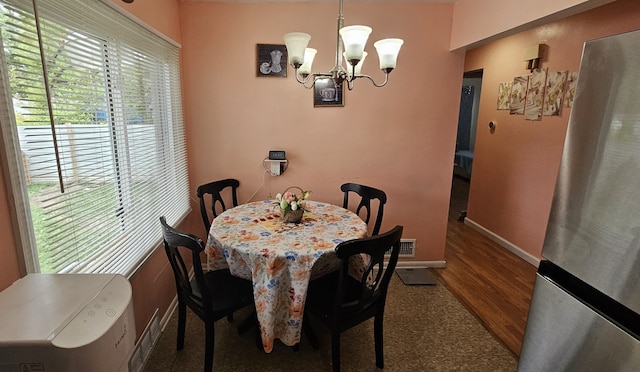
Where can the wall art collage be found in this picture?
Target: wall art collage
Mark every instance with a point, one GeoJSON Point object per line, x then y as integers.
{"type": "Point", "coordinates": [539, 94]}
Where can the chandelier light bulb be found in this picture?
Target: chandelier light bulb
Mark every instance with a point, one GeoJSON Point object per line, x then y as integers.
{"type": "Point", "coordinates": [358, 68]}
{"type": "Point", "coordinates": [388, 50]}
{"type": "Point", "coordinates": [309, 55]}
{"type": "Point", "coordinates": [354, 39]}
{"type": "Point", "coordinates": [296, 43]}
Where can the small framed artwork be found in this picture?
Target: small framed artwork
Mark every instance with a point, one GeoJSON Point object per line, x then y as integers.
{"type": "Point", "coordinates": [327, 94]}
{"type": "Point", "coordinates": [504, 91]}
{"type": "Point", "coordinates": [518, 95]}
{"type": "Point", "coordinates": [572, 80]}
{"type": "Point", "coordinates": [554, 93]}
{"type": "Point", "coordinates": [535, 94]}
{"type": "Point", "coordinates": [271, 60]}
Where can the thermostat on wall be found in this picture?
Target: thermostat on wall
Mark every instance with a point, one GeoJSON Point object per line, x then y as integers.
{"type": "Point", "coordinates": [277, 155]}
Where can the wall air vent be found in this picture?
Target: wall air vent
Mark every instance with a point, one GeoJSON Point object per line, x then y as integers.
{"type": "Point", "coordinates": [407, 248]}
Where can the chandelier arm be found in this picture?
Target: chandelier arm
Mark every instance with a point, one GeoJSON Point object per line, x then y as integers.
{"type": "Point", "coordinates": [305, 80]}
{"type": "Point", "coordinates": [386, 79]}
{"type": "Point", "coordinates": [349, 83]}
{"type": "Point", "coordinates": [312, 78]}
{"type": "Point", "coordinates": [338, 39]}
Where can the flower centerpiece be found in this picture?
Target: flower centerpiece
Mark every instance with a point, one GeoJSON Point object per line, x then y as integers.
{"type": "Point", "coordinates": [293, 204]}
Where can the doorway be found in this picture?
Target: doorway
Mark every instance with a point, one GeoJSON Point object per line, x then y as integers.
{"type": "Point", "coordinates": [465, 142]}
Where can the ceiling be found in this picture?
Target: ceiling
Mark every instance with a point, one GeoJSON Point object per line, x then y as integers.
{"type": "Point", "coordinates": [325, 1]}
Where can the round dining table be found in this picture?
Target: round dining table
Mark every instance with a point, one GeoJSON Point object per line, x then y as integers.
{"type": "Point", "coordinates": [280, 258]}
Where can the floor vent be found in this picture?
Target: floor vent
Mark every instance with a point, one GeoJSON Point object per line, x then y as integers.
{"type": "Point", "coordinates": [407, 248]}
{"type": "Point", "coordinates": [145, 344]}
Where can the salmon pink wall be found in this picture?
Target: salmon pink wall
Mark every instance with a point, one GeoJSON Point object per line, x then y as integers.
{"type": "Point", "coordinates": [10, 267]}
{"type": "Point", "coordinates": [515, 167]}
{"type": "Point", "coordinates": [161, 15]}
{"type": "Point", "coordinates": [476, 21]}
{"type": "Point", "coordinates": [399, 138]}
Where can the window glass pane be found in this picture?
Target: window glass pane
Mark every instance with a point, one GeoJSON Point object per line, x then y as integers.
{"type": "Point", "coordinates": [113, 98]}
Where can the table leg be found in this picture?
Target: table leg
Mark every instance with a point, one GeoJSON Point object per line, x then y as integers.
{"type": "Point", "coordinates": [311, 335]}
{"type": "Point", "coordinates": [247, 323]}
{"type": "Point", "coordinates": [309, 332]}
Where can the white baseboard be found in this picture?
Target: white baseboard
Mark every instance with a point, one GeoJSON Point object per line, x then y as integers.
{"type": "Point", "coordinates": [504, 243]}
{"type": "Point", "coordinates": [167, 314]}
{"type": "Point", "coordinates": [421, 264]}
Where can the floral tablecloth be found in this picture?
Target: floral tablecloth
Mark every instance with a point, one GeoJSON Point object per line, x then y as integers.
{"type": "Point", "coordinates": [278, 257]}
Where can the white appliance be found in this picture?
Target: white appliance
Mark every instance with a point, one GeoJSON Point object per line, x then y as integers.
{"type": "Point", "coordinates": [67, 322]}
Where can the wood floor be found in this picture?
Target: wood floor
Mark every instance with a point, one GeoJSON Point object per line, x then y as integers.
{"type": "Point", "coordinates": [490, 281]}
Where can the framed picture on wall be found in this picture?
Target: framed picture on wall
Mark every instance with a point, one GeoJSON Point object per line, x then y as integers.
{"type": "Point", "coordinates": [572, 80]}
{"type": "Point", "coordinates": [327, 94]}
{"type": "Point", "coordinates": [535, 94]}
{"type": "Point", "coordinates": [271, 60]}
{"type": "Point", "coordinates": [554, 93]}
{"type": "Point", "coordinates": [518, 95]}
{"type": "Point", "coordinates": [504, 92]}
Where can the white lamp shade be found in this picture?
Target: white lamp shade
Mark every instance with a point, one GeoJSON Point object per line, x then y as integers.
{"type": "Point", "coordinates": [354, 39]}
{"type": "Point", "coordinates": [388, 50]}
{"type": "Point", "coordinates": [296, 43]}
{"type": "Point", "coordinates": [309, 55]}
{"type": "Point", "coordinates": [358, 66]}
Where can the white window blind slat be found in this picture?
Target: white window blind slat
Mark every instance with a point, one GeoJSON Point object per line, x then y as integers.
{"type": "Point", "coordinates": [115, 97]}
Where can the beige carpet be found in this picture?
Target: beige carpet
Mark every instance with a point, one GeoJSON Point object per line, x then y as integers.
{"type": "Point", "coordinates": [426, 329]}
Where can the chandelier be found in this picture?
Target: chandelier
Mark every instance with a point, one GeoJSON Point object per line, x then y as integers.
{"type": "Point", "coordinates": [354, 39]}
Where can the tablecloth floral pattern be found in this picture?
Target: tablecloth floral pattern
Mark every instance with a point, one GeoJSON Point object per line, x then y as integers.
{"type": "Point", "coordinates": [253, 242]}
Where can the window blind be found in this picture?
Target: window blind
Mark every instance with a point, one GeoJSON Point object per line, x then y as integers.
{"type": "Point", "coordinates": [106, 106]}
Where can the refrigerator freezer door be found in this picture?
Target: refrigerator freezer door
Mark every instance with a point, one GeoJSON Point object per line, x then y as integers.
{"type": "Point", "coordinates": [563, 334]}
{"type": "Point", "coordinates": [594, 226]}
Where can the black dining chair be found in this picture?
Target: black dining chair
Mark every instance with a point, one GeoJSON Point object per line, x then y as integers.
{"type": "Point", "coordinates": [367, 194]}
{"type": "Point", "coordinates": [210, 196]}
{"type": "Point", "coordinates": [211, 296]}
{"type": "Point", "coordinates": [341, 301]}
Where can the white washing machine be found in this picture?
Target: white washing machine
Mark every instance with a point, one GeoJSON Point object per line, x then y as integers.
{"type": "Point", "coordinates": [67, 322]}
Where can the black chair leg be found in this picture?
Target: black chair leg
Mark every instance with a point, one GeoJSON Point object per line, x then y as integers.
{"type": "Point", "coordinates": [182, 323]}
{"type": "Point", "coordinates": [208, 348]}
{"type": "Point", "coordinates": [335, 350]}
{"type": "Point", "coordinates": [378, 340]}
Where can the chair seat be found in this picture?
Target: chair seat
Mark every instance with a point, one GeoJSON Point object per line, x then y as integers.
{"type": "Point", "coordinates": [322, 301]}
{"type": "Point", "coordinates": [231, 293]}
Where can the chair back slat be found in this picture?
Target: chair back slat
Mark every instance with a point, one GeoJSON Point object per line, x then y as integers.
{"type": "Point", "coordinates": [367, 194]}
{"type": "Point", "coordinates": [375, 278]}
{"type": "Point", "coordinates": [211, 200]}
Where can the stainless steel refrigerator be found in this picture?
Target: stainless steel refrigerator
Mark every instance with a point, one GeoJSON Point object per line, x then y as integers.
{"type": "Point", "coordinates": [585, 308]}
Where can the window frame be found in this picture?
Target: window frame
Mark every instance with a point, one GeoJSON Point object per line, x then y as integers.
{"type": "Point", "coordinates": [14, 170]}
